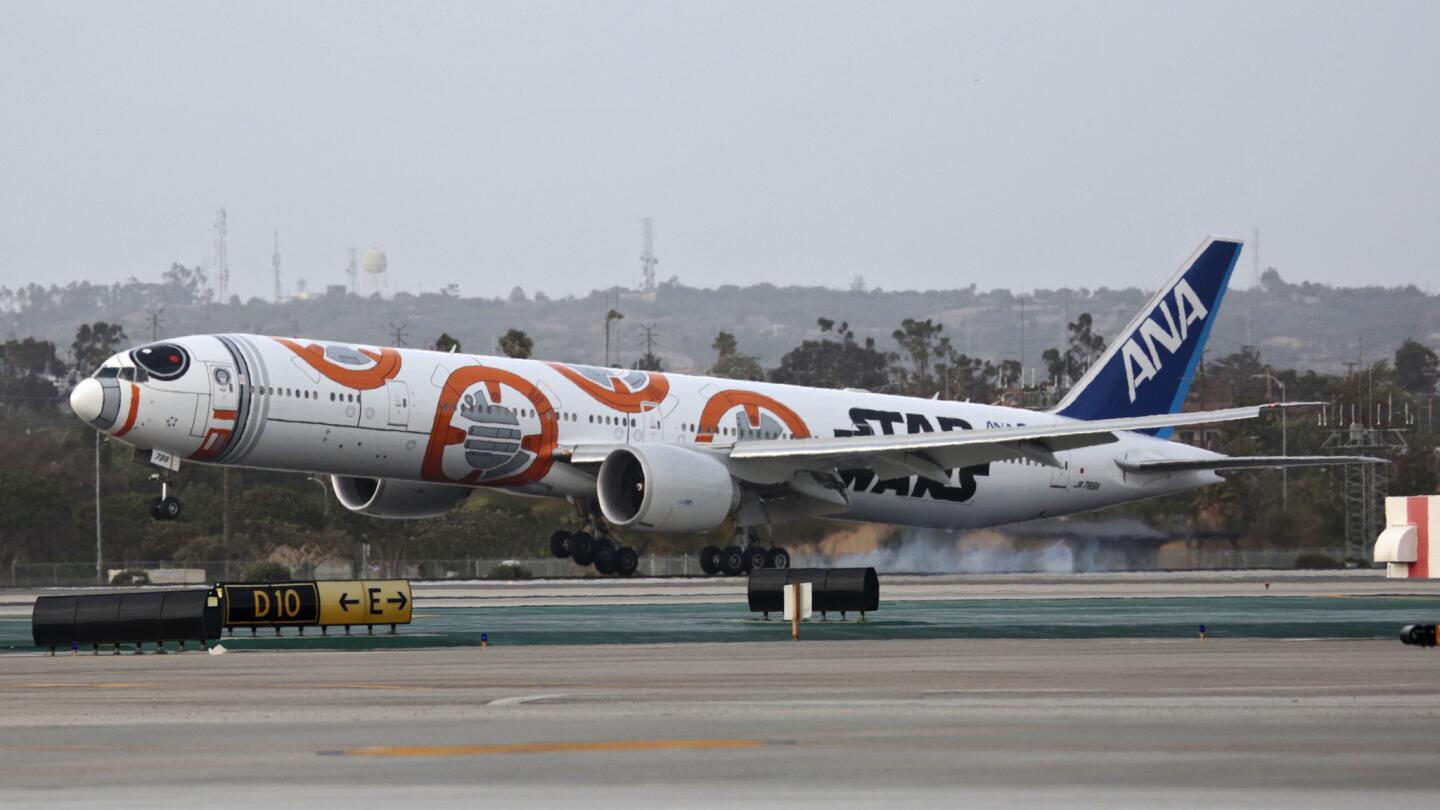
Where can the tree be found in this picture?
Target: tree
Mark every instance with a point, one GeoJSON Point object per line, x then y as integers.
{"type": "Point", "coordinates": [29, 371]}
{"type": "Point", "coordinates": [445, 343]}
{"type": "Point", "coordinates": [730, 363]}
{"type": "Point", "coordinates": [649, 362]}
{"type": "Point", "coordinates": [1086, 346]}
{"type": "Point", "coordinates": [515, 343]}
{"type": "Point", "coordinates": [94, 344]}
{"type": "Point", "coordinates": [1417, 369]}
{"type": "Point", "coordinates": [921, 340]}
{"type": "Point", "coordinates": [842, 363]}
{"type": "Point", "coordinates": [517, 295]}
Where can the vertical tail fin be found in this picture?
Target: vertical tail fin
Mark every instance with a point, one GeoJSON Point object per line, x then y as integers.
{"type": "Point", "coordinates": [1148, 368]}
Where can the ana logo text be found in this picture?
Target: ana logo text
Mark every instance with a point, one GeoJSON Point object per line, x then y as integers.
{"type": "Point", "coordinates": [1143, 364]}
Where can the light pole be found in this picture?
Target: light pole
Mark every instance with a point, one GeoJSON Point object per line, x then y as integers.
{"type": "Point", "coordinates": [1284, 443]}
{"type": "Point", "coordinates": [99, 543]}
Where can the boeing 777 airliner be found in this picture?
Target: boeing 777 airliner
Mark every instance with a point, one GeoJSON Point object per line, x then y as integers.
{"type": "Point", "coordinates": [405, 433]}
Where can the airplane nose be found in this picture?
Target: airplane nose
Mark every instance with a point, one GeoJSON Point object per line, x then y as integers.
{"type": "Point", "coordinates": [87, 399]}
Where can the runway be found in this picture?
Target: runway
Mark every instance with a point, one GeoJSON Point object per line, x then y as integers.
{"type": "Point", "coordinates": [1019, 691]}
{"type": "Point", "coordinates": [1124, 722]}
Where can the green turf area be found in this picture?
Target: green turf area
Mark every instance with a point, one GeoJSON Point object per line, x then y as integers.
{"type": "Point", "coordinates": [1261, 617]}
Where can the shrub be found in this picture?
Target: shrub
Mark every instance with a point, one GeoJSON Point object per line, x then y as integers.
{"type": "Point", "coordinates": [265, 571]}
{"type": "Point", "coordinates": [131, 576]}
{"type": "Point", "coordinates": [510, 570]}
{"type": "Point", "coordinates": [1314, 559]}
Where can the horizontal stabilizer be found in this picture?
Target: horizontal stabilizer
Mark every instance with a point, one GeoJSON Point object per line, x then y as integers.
{"type": "Point", "coordinates": [1161, 465]}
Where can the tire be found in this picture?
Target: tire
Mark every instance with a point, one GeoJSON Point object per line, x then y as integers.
{"type": "Point", "coordinates": [582, 548]}
{"type": "Point", "coordinates": [604, 555]}
{"type": "Point", "coordinates": [710, 560]}
{"type": "Point", "coordinates": [732, 561]}
{"type": "Point", "coordinates": [560, 544]}
{"type": "Point", "coordinates": [756, 558]}
{"type": "Point", "coordinates": [170, 508]}
{"type": "Point", "coordinates": [155, 512]}
{"type": "Point", "coordinates": [778, 558]}
{"type": "Point", "coordinates": [626, 561]}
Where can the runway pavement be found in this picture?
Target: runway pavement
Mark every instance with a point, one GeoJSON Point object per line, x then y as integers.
{"type": "Point", "coordinates": [1119, 722]}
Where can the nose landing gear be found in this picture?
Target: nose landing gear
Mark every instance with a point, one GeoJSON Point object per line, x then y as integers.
{"type": "Point", "coordinates": [167, 506]}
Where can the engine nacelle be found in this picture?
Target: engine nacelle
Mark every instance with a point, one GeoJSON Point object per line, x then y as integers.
{"type": "Point", "coordinates": [664, 488]}
{"type": "Point", "coordinates": [391, 498]}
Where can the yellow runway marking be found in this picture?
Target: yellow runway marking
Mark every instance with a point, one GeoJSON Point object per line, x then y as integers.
{"type": "Point", "coordinates": [549, 748]}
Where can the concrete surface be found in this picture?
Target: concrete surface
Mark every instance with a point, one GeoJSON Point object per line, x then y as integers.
{"type": "Point", "coordinates": [1118, 722]}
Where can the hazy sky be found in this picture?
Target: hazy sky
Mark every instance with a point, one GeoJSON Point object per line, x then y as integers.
{"type": "Point", "coordinates": [921, 145]}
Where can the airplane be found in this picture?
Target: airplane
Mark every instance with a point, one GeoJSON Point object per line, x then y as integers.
{"type": "Point", "coordinates": [407, 433]}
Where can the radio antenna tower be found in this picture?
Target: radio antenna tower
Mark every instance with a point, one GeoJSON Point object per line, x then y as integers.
{"type": "Point", "coordinates": [1255, 258]}
{"type": "Point", "coordinates": [647, 259]}
{"type": "Point", "coordinates": [275, 263]}
{"type": "Point", "coordinates": [222, 261]}
{"type": "Point", "coordinates": [352, 272]}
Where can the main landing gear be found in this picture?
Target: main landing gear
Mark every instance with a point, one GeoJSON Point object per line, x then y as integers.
{"type": "Point", "coordinates": [743, 555]}
{"type": "Point", "coordinates": [597, 549]}
{"type": "Point", "coordinates": [167, 506]}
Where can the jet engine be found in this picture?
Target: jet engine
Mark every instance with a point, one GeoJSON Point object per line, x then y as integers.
{"type": "Point", "coordinates": [392, 498]}
{"type": "Point", "coordinates": [664, 488]}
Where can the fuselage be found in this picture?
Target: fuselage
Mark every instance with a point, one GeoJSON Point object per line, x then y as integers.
{"type": "Point", "coordinates": [510, 424]}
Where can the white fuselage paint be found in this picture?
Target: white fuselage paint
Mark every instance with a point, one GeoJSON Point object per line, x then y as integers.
{"type": "Point", "coordinates": [285, 414]}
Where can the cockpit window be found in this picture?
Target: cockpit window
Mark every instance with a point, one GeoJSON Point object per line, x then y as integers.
{"type": "Point", "coordinates": [107, 372]}
{"type": "Point", "coordinates": [164, 361]}
{"type": "Point", "coordinates": [127, 374]}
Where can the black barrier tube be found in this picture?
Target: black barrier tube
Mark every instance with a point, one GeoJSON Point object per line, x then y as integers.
{"type": "Point", "coordinates": [849, 590]}
{"type": "Point", "coordinates": [97, 619]}
{"type": "Point", "coordinates": [52, 621]}
{"type": "Point", "coordinates": [766, 590]}
{"type": "Point", "coordinates": [139, 617]}
{"type": "Point", "coordinates": [182, 617]}
{"type": "Point", "coordinates": [833, 589]}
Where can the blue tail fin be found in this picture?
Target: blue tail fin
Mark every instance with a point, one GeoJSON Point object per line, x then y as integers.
{"type": "Point", "coordinates": [1148, 368]}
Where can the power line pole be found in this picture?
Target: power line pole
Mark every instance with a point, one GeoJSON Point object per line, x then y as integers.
{"type": "Point", "coordinates": [647, 258]}
{"type": "Point", "coordinates": [398, 338]}
{"type": "Point", "coordinates": [275, 264]}
{"type": "Point", "coordinates": [99, 538]}
{"type": "Point", "coordinates": [153, 314]}
{"type": "Point", "coordinates": [222, 259]}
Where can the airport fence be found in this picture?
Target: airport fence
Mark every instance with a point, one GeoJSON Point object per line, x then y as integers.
{"type": "Point", "coordinates": [186, 572]}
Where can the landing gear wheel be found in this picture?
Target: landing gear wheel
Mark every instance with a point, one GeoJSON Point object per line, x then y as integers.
{"type": "Point", "coordinates": [778, 558]}
{"type": "Point", "coordinates": [582, 548]}
{"type": "Point", "coordinates": [167, 508]}
{"type": "Point", "coordinates": [626, 561]}
{"type": "Point", "coordinates": [710, 560]}
{"type": "Point", "coordinates": [756, 558]}
{"type": "Point", "coordinates": [732, 561]}
{"type": "Point", "coordinates": [604, 555]}
{"type": "Point", "coordinates": [560, 544]}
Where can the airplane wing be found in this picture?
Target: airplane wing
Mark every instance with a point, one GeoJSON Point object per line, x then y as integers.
{"type": "Point", "coordinates": [1161, 465]}
{"type": "Point", "coordinates": [931, 454]}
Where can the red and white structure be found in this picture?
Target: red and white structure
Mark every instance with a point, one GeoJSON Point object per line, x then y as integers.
{"type": "Point", "coordinates": [1410, 544]}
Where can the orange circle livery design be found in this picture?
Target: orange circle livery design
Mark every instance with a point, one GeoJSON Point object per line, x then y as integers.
{"type": "Point", "coordinates": [480, 422]}
{"type": "Point", "coordinates": [625, 391]}
{"type": "Point", "coordinates": [754, 406]}
{"type": "Point", "coordinates": [358, 368]}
